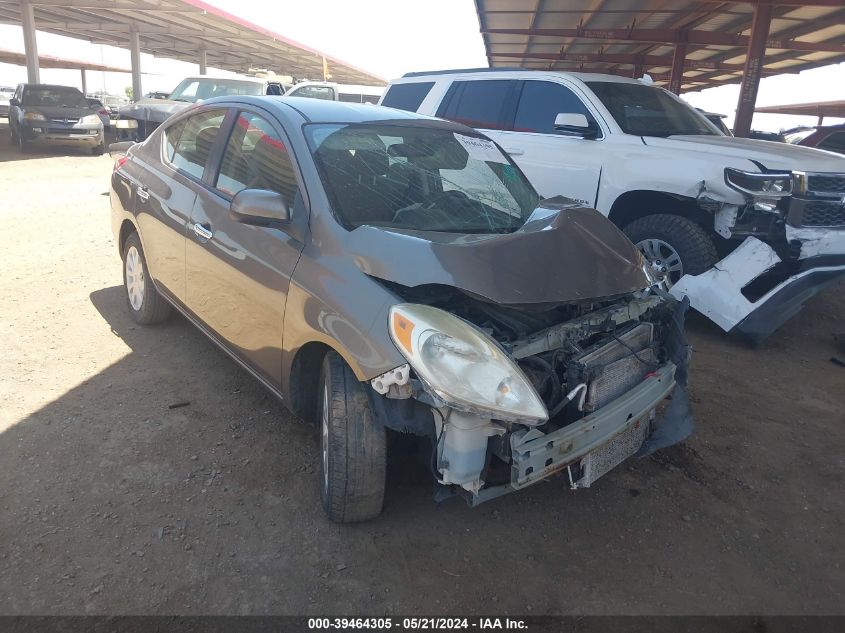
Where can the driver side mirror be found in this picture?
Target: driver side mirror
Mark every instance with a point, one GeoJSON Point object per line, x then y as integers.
{"type": "Point", "coordinates": [14, 102]}
{"type": "Point", "coordinates": [575, 124]}
{"type": "Point", "coordinates": [259, 207]}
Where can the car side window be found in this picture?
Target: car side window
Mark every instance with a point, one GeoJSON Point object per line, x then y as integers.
{"type": "Point", "coordinates": [314, 92]}
{"type": "Point", "coordinates": [539, 104]}
{"type": "Point", "coordinates": [834, 143]}
{"type": "Point", "coordinates": [195, 141]}
{"type": "Point", "coordinates": [408, 97]}
{"type": "Point", "coordinates": [256, 158]}
{"type": "Point", "coordinates": [479, 104]}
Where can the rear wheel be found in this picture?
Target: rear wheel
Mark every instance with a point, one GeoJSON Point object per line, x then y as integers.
{"type": "Point", "coordinates": [146, 305]}
{"type": "Point", "coordinates": [353, 446]}
{"type": "Point", "coordinates": [674, 246]}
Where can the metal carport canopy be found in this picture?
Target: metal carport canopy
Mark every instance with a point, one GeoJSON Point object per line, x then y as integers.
{"type": "Point", "coordinates": [49, 61]}
{"type": "Point", "coordinates": [685, 44]}
{"type": "Point", "coordinates": [188, 30]}
{"type": "Point", "coordinates": [819, 109]}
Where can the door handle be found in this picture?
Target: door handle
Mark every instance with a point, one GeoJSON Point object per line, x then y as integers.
{"type": "Point", "coordinates": [515, 152]}
{"type": "Point", "coordinates": [143, 194]}
{"type": "Point", "coordinates": [202, 232]}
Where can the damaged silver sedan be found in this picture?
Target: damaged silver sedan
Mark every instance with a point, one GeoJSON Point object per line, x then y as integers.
{"type": "Point", "coordinates": [381, 272]}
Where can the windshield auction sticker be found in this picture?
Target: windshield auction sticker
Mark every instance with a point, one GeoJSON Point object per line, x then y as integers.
{"type": "Point", "coordinates": [481, 149]}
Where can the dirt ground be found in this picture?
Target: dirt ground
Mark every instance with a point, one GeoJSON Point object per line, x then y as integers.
{"type": "Point", "coordinates": [111, 502]}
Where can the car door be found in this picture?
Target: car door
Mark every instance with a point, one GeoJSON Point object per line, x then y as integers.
{"type": "Point", "coordinates": [166, 187]}
{"type": "Point", "coordinates": [555, 163]}
{"type": "Point", "coordinates": [238, 274]}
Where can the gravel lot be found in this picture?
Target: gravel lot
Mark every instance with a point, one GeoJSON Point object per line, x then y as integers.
{"type": "Point", "coordinates": [111, 502]}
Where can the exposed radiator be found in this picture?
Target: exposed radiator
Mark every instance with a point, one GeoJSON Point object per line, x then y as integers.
{"type": "Point", "coordinates": [617, 366]}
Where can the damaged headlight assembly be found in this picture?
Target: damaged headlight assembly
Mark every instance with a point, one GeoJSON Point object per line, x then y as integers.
{"type": "Point", "coordinates": [764, 190]}
{"type": "Point", "coordinates": [462, 366]}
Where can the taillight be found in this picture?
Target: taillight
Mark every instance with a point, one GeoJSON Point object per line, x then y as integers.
{"type": "Point", "coordinates": [120, 162]}
{"type": "Point", "coordinates": [104, 112]}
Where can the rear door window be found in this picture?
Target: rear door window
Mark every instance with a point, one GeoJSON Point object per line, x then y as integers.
{"type": "Point", "coordinates": [193, 147]}
{"type": "Point", "coordinates": [540, 102]}
{"type": "Point", "coordinates": [408, 97]}
{"type": "Point", "coordinates": [480, 104]}
{"type": "Point", "coordinates": [256, 157]}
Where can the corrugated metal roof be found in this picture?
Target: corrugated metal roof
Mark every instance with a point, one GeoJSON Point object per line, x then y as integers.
{"type": "Point", "coordinates": [621, 36]}
{"type": "Point", "coordinates": [179, 29]}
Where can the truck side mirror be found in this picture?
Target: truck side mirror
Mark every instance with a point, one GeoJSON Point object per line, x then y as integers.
{"type": "Point", "coordinates": [575, 124]}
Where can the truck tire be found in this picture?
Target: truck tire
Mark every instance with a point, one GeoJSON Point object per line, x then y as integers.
{"type": "Point", "coordinates": [353, 446]}
{"type": "Point", "coordinates": [674, 245]}
{"type": "Point", "coordinates": [146, 305]}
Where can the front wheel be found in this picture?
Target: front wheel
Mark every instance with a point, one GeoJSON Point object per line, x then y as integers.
{"type": "Point", "coordinates": [146, 305]}
{"type": "Point", "coordinates": [674, 246]}
{"type": "Point", "coordinates": [353, 446]}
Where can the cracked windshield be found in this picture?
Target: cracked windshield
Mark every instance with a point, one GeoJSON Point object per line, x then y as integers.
{"type": "Point", "coordinates": [420, 178]}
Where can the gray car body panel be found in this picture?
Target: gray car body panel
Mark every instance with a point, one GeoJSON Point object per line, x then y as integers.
{"type": "Point", "coordinates": [334, 297]}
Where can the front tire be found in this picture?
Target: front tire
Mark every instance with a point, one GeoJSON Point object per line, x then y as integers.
{"type": "Point", "coordinates": [353, 446]}
{"type": "Point", "coordinates": [673, 245]}
{"type": "Point", "coordinates": [146, 305]}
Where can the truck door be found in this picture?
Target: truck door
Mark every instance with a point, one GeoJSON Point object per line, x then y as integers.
{"type": "Point", "coordinates": [555, 163]}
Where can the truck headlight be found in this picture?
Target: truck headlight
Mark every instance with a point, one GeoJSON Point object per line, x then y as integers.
{"type": "Point", "coordinates": [765, 189]}
{"type": "Point", "coordinates": [90, 119]}
{"type": "Point", "coordinates": [33, 116]}
{"type": "Point", "coordinates": [462, 366]}
{"type": "Point", "coordinates": [770, 185]}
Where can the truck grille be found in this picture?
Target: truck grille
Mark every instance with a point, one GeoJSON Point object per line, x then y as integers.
{"type": "Point", "coordinates": [826, 183]}
{"type": "Point", "coordinates": [823, 213]}
{"type": "Point", "coordinates": [822, 204]}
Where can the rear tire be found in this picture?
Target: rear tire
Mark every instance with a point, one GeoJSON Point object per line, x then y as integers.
{"type": "Point", "coordinates": [353, 446]}
{"type": "Point", "coordinates": [679, 244]}
{"type": "Point", "coordinates": [146, 305]}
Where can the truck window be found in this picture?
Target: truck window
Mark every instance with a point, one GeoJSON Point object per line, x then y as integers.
{"type": "Point", "coordinates": [479, 104]}
{"type": "Point", "coordinates": [407, 97]}
{"type": "Point", "coordinates": [539, 104]}
{"type": "Point", "coordinates": [834, 143]}
{"type": "Point", "coordinates": [313, 92]}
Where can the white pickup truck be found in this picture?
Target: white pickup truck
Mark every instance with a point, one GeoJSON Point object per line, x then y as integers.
{"type": "Point", "coordinates": [749, 230]}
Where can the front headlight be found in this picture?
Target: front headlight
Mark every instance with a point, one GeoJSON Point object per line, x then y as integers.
{"type": "Point", "coordinates": [462, 366]}
{"type": "Point", "coordinates": [90, 119]}
{"type": "Point", "coordinates": [33, 116]}
{"type": "Point", "coordinates": [768, 185]}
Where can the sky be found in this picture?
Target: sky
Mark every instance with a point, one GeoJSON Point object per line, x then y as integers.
{"type": "Point", "coordinates": [389, 38]}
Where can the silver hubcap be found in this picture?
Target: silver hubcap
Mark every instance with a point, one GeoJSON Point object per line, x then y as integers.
{"type": "Point", "coordinates": [324, 423]}
{"type": "Point", "coordinates": [134, 278]}
{"type": "Point", "coordinates": [664, 260]}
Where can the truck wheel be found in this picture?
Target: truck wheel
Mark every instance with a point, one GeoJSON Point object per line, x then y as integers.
{"type": "Point", "coordinates": [353, 446]}
{"type": "Point", "coordinates": [674, 246]}
{"type": "Point", "coordinates": [146, 305]}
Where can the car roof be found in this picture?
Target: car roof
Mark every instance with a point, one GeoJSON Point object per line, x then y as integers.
{"type": "Point", "coordinates": [514, 72]}
{"type": "Point", "coordinates": [29, 85]}
{"type": "Point", "coordinates": [254, 80]}
{"type": "Point", "coordinates": [325, 111]}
